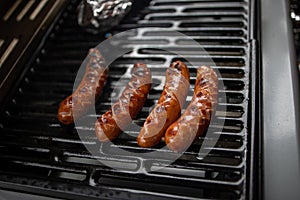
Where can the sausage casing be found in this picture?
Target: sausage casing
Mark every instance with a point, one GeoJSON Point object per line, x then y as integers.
{"type": "Point", "coordinates": [196, 118]}
{"type": "Point", "coordinates": [91, 85]}
{"type": "Point", "coordinates": [110, 124]}
{"type": "Point", "coordinates": [168, 107]}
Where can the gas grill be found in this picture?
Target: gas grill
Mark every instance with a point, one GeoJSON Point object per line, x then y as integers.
{"type": "Point", "coordinates": [38, 67]}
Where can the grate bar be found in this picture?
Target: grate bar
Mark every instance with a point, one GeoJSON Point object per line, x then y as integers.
{"type": "Point", "coordinates": [1, 42]}
{"type": "Point", "coordinates": [11, 10]}
{"type": "Point", "coordinates": [38, 9]}
{"type": "Point", "coordinates": [25, 10]}
{"type": "Point", "coordinates": [8, 51]}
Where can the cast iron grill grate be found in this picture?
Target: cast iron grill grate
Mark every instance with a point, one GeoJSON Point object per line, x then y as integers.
{"type": "Point", "coordinates": [38, 152]}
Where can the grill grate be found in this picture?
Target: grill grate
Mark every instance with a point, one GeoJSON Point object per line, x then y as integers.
{"type": "Point", "coordinates": [22, 23]}
{"type": "Point", "coordinates": [38, 152]}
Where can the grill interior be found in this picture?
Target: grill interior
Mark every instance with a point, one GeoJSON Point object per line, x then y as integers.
{"type": "Point", "coordinates": [38, 152]}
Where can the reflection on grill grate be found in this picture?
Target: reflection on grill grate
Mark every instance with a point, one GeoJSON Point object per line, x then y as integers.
{"type": "Point", "coordinates": [8, 51]}
{"type": "Point", "coordinates": [45, 154]}
{"type": "Point", "coordinates": [18, 11]}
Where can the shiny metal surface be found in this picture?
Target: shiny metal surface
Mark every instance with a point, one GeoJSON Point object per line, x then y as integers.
{"type": "Point", "coordinates": [280, 104]}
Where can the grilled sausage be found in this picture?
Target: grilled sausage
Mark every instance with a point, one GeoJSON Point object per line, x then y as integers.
{"type": "Point", "coordinates": [131, 101]}
{"type": "Point", "coordinates": [168, 107]}
{"type": "Point", "coordinates": [76, 105]}
{"type": "Point", "coordinates": [196, 118]}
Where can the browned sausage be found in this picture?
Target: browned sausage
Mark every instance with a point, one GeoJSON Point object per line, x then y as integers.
{"type": "Point", "coordinates": [196, 118]}
{"type": "Point", "coordinates": [131, 101]}
{"type": "Point", "coordinates": [168, 107]}
{"type": "Point", "coordinates": [76, 105]}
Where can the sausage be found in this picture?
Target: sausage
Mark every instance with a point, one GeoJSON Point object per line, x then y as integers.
{"type": "Point", "coordinates": [77, 104]}
{"type": "Point", "coordinates": [168, 107]}
{"type": "Point", "coordinates": [196, 118]}
{"type": "Point", "coordinates": [130, 103]}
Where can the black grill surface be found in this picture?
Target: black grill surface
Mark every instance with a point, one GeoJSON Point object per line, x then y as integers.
{"type": "Point", "coordinates": [40, 155]}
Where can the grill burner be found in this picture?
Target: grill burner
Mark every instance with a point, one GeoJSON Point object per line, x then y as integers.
{"type": "Point", "coordinates": [40, 155]}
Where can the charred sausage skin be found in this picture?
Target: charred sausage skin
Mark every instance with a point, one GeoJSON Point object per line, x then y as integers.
{"type": "Point", "coordinates": [168, 107]}
{"type": "Point", "coordinates": [94, 78]}
{"type": "Point", "coordinates": [196, 118]}
{"type": "Point", "coordinates": [119, 116]}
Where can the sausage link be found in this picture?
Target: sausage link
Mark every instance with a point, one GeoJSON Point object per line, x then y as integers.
{"type": "Point", "coordinates": [168, 107]}
{"type": "Point", "coordinates": [77, 104]}
{"type": "Point", "coordinates": [196, 118]}
{"type": "Point", "coordinates": [130, 103]}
